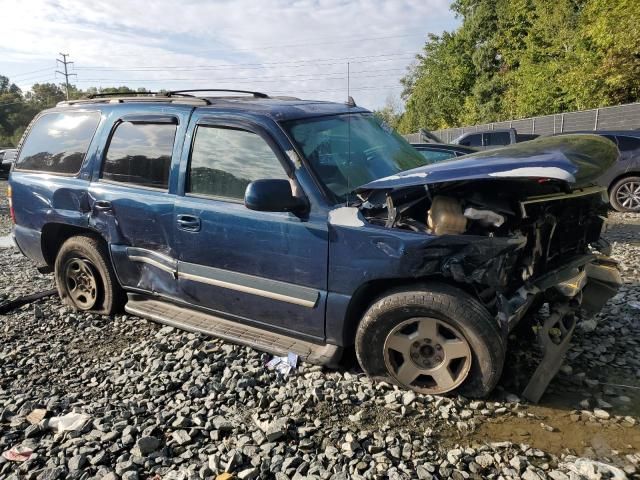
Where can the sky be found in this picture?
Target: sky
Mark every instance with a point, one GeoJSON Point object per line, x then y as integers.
{"type": "Point", "coordinates": [296, 47]}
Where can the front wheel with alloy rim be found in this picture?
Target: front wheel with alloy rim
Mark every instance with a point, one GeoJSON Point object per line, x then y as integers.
{"type": "Point", "coordinates": [434, 340]}
{"type": "Point", "coordinates": [625, 195]}
{"type": "Point", "coordinates": [85, 278]}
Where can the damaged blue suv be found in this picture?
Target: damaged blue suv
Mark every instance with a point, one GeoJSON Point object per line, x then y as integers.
{"type": "Point", "coordinates": [309, 227]}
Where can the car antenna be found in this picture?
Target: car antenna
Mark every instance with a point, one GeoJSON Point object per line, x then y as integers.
{"type": "Point", "coordinates": [350, 103]}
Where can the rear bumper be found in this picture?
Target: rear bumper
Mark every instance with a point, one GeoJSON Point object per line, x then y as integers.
{"type": "Point", "coordinates": [29, 243]}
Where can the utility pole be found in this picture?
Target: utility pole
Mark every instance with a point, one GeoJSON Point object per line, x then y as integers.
{"type": "Point", "coordinates": [66, 72]}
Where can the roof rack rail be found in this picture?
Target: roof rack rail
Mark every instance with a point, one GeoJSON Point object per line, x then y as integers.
{"type": "Point", "coordinates": [183, 96]}
{"type": "Point", "coordinates": [182, 92]}
{"type": "Point", "coordinates": [150, 97]}
{"type": "Point", "coordinates": [121, 94]}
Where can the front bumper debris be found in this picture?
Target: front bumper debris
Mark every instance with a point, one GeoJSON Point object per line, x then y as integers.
{"type": "Point", "coordinates": [577, 290]}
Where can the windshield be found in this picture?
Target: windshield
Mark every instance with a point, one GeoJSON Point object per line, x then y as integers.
{"type": "Point", "coordinates": [347, 151]}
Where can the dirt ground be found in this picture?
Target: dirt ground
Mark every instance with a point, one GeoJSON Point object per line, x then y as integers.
{"type": "Point", "coordinates": [602, 370]}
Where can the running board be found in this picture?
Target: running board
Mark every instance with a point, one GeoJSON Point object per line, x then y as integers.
{"type": "Point", "coordinates": [195, 321]}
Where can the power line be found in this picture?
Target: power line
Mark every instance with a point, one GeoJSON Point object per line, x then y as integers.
{"type": "Point", "coordinates": [353, 89]}
{"type": "Point", "coordinates": [289, 64]}
{"type": "Point", "coordinates": [34, 79]}
{"type": "Point", "coordinates": [31, 72]}
{"type": "Point", "coordinates": [244, 79]}
{"type": "Point", "coordinates": [348, 39]}
{"type": "Point", "coordinates": [66, 73]}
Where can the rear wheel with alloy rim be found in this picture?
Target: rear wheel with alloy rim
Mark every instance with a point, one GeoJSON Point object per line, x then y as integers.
{"type": "Point", "coordinates": [434, 340]}
{"type": "Point", "coordinates": [625, 195]}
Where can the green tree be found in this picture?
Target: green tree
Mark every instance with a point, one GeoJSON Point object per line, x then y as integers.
{"type": "Point", "coordinates": [518, 58]}
{"type": "Point", "coordinates": [390, 113]}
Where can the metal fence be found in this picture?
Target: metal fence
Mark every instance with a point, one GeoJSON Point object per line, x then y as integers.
{"type": "Point", "coordinates": [619, 117]}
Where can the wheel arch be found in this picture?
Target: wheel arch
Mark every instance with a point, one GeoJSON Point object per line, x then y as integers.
{"type": "Point", "coordinates": [54, 234]}
{"type": "Point", "coordinates": [369, 292]}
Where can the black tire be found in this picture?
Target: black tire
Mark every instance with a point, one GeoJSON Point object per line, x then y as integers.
{"type": "Point", "coordinates": [616, 191]}
{"type": "Point", "coordinates": [449, 305]}
{"type": "Point", "coordinates": [91, 253]}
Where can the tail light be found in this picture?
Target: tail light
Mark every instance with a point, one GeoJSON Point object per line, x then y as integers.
{"type": "Point", "coordinates": [11, 212]}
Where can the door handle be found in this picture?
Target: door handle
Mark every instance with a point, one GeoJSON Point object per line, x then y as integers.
{"type": "Point", "coordinates": [102, 205]}
{"type": "Point", "coordinates": [189, 223]}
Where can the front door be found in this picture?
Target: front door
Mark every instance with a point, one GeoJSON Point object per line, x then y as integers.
{"type": "Point", "coordinates": [268, 268]}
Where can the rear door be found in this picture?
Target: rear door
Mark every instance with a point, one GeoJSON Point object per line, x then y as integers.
{"type": "Point", "coordinates": [268, 268]}
{"type": "Point", "coordinates": [133, 192]}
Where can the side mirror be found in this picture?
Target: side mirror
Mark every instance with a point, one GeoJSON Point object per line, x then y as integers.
{"type": "Point", "coordinates": [273, 195]}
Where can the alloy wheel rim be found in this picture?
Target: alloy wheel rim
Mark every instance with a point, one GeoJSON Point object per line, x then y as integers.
{"type": "Point", "coordinates": [80, 280]}
{"type": "Point", "coordinates": [427, 355]}
{"type": "Point", "coordinates": [628, 196]}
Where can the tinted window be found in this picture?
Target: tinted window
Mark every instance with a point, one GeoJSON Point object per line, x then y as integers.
{"type": "Point", "coordinates": [224, 161]}
{"type": "Point", "coordinates": [497, 138]}
{"type": "Point", "coordinates": [472, 141]}
{"type": "Point", "coordinates": [433, 156]}
{"type": "Point", "coordinates": [140, 153]}
{"type": "Point", "coordinates": [58, 142]}
{"type": "Point", "coordinates": [627, 144]}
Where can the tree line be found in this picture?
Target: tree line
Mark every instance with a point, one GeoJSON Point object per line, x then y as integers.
{"type": "Point", "coordinates": [519, 58]}
{"type": "Point", "coordinates": [508, 59]}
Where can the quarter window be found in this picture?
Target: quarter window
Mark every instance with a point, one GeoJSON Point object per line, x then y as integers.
{"type": "Point", "coordinates": [58, 142]}
{"type": "Point", "coordinates": [225, 160]}
{"type": "Point", "coordinates": [140, 153]}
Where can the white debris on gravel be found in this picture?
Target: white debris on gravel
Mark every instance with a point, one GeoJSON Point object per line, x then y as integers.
{"type": "Point", "coordinates": [162, 403]}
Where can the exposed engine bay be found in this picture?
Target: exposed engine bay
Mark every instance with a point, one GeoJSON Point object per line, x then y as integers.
{"type": "Point", "coordinates": [518, 243]}
{"type": "Point", "coordinates": [539, 225]}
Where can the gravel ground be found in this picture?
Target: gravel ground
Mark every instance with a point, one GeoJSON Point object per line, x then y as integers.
{"type": "Point", "coordinates": [164, 404]}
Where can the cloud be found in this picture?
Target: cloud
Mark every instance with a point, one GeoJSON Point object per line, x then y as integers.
{"type": "Point", "coordinates": [295, 47]}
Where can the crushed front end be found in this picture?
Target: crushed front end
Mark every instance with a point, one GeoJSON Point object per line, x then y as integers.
{"type": "Point", "coordinates": [518, 241]}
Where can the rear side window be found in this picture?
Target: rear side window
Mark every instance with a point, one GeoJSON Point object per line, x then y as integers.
{"type": "Point", "coordinates": [58, 142]}
{"type": "Point", "coordinates": [497, 138]}
{"type": "Point", "coordinates": [140, 154]}
{"type": "Point", "coordinates": [472, 141]}
{"type": "Point", "coordinates": [225, 160]}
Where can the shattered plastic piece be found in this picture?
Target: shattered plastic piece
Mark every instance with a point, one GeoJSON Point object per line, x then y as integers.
{"type": "Point", "coordinates": [283, 365]}
{"type": "Point", "coordinates": [69, 422]}
{"type": "Point", "coordinates": [487, 217]}
{"type": "Point", "coordinates": [19, 453]}
{"type": "Point", "coordinates": [36, 416]}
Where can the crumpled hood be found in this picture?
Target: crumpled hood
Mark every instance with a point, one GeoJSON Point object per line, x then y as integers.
{"type": "Point", "coordinates": [576, 159]}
